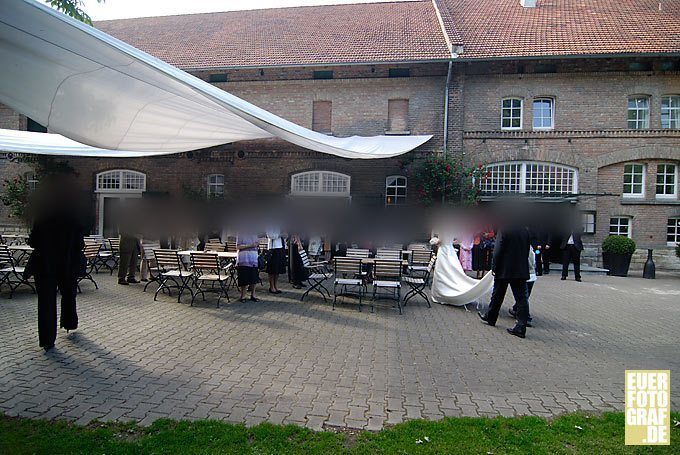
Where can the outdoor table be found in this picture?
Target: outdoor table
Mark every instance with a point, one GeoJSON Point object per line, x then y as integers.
{"type": "Point", "coordinates": [372, 261]}
{"type": "Point", "coordinates": [220, 254]}
{"type": "Point", "coordinates": [24, 251]}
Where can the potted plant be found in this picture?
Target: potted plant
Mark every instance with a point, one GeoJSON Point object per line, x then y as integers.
{"type": "Point", "coordinates": [617, 251]}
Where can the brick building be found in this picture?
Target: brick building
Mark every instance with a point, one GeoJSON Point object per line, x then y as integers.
{"type": "Point", "coordinates": [577, 102]}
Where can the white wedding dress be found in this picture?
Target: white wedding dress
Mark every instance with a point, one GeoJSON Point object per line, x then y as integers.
{"type": "Point", "coordinates": [450, 284]}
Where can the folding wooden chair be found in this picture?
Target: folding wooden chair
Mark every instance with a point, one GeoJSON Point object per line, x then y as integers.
{"type": "Point", "coordinates": [91, 252]}
{"type": "Point", "coordinates": [206, 268]}
{"type": "Point", "coordinates": [151, 264]}
{"type": "Point", "coordinates": [385, 253]}
{"type": "Point", "coordinates": [11, 274]}
{"type": "Point", "coordinates": [358, 253]}
{"type": "Point", "coordinates": [317, 274]}
{"type": "Point", "coordinates": [420, 261]}
{"type": "Point", "coordinates": [348, 274]}
{"type": "Point", "coordinates": [417, 285]}
{"type": "Point", "coordinates": [214, 245]}
{"type": "Point", "coordinates": [387, 275]}
{"type": "Point", "coordinates": [231, 245]}
{"type": "Point", "coordinates": [171, 269]}
{"type": "Point", "coordinates": [108, 255]}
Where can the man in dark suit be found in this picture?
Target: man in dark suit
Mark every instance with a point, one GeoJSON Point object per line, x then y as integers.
{"type": "Point", "coordinates": [571, 247]}
{"type": "Point", "coordinates": [510, 267]}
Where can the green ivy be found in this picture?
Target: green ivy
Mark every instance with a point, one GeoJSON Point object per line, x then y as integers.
{"type": "Point", "coordinates": [15, 196]}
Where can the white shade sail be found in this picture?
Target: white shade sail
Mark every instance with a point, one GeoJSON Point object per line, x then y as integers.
{"type": "Point", "coordinates": [106, 94]}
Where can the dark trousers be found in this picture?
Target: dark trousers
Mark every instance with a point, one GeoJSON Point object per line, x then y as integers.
{"type": "Point", "coordinates": [530, 287]}
{"type": "Point", "coordinates": [539, 264]}
{"type": "Point", "coordinates": [128, 257]}
{"type": "Point", "coordinates": [546, 261]}
{"type": "Point", "coordinates": [46, 288]}
{"type": "Point", "coordinates": [519, 291]}
{"type": "Point", "coordinates": [571, 254]}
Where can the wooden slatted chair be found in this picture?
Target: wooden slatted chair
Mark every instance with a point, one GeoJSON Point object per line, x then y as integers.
{"type": "Point", "coordinates": [420, 260]}
{"type": "Point", "coordinates": [231, 245]}
{"type": "Point", "coordinates": [348, 274]}
{"type": "Point", "coordinates": [171, 270]}
{"type": "Point", "coordinates": [11, 274]}
{"type": "Point", "coordinates": [385, 253]}
{"type": "Point", "coordinates": [387, 275]}
{"type": "Point", "coordinates": [109, 256]}
{"type": "Point", "coordinates": [417, 284]}
{"type": "Point", "coordinates": [358, 253]}
{"type": "Point", "coordinates": [214, 245]}
{"type": "Point", "coordinates": [151, 264]}
{"type": "Point", "coordinates": [91, 252]}
{"type": "Point", "coordinates": [317, 273]}
{"type": "Point", "coordinates": [206, 268]}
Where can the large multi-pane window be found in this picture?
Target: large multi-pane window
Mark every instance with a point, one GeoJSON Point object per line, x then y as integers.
{"type": "Point", "coordinates": [620, 225]}
{"type": "Point", "coordinates": [121, 181]}
{"type": "Point", "coordinates": [670, 112]}
{"type": "Point", "coordinates": [395, 190]}
{"type": "Point", "coordinates": [529, 177]}
{"type": "Point", "coordinates": [511, 114]}
{"type": "Point", "coordinates": [666, 181]}
{"type": "Point", "coordinates": [544, 113]}
{"type": "Point", "coordinates": [588, 220]}
{"type": "Point", "coordinates": [320, 183]}
{"type": "Point", "coordinates": [634, 180]}
{"type": "Point", "coordinates": [638, 112]}
{"type": "Point", "coordinates": [215, 186]}
{"type": "Point", "coordinates": [673, 231]}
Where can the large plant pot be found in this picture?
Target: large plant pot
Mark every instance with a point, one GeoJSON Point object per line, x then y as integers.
{"type": "Point", "coordinates": [617, 264]}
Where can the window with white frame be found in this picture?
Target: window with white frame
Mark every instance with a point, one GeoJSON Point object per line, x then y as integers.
{"type": "Point", "coordinates": [588, 221]}
{"type": "Point", "coordinates": [215, 186]}
{"type": "Point", "coordinates": [511, 114]}
{"type": "Point", "coordinates": [529, 177]}
{"type": "Point", "coordinates": [620, 225]}
{"type": "Point", "coordinates": [320, 183]}
{"type": "Point", "coordinates": [638, 112]}
{"type": "Point", "coordinates": [634, 180]}
{"type": "Point", "coordinates": [544, 113]}
{"type": "Point", "coordinates": [121, 181]}
{"type": "Point", "coordinates": [31, 180]}
{"type": "Point", "coordinates": [666, 181]}
{"type": "Point", "coordinates": [395, 190]}
{"type": "Point", "coordinates": [670, 112]}
{"type": "Point", "coordinates": [673, 231]}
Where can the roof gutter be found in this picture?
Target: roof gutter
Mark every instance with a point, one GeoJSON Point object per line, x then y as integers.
{"type": "Point", "coordinates": [316, 65]}
{"type": "Point", "coordinates": [569, 56]}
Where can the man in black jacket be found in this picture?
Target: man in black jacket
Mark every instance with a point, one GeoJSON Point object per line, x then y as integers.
{"type": "Point", "coordinates": [571, 247]}
{"type": "Point", "coordinates": [510, 268]}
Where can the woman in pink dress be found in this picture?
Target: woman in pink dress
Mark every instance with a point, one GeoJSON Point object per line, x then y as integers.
{"type": "Point", "coordinates": [466, 243]}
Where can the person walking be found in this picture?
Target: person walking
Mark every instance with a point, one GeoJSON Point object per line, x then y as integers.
{"type": "Point", "coordinates": [510, 268]}
{"type": "Point", "coordinates": [57, 259]}
{"type": "Point", "coordinates": [533, 276]}
{"type": "Point", "coordinates": [571, 247]}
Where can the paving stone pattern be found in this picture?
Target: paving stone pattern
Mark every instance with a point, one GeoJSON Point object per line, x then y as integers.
{"type": "Point", "coordinates": [283, 361]}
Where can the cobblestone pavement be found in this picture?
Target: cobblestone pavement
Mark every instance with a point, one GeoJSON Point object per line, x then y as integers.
{"type": "Point", "coordinates": [281, 360]}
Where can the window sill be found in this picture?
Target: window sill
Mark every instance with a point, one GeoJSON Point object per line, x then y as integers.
{"type": "Point", "coordinates": [642, 201]}
{"type": "Point", "coordinates": [397, 133]}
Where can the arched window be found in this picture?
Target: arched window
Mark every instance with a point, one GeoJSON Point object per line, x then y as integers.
{"type": "Point", "coordinates": [530, 178]}
{"type": "Point", "coordinates": [395, 190]}
{"type": "Point", "coordinates": [320, 183]}
{"type": "Point", "coordinates": [121, 181]}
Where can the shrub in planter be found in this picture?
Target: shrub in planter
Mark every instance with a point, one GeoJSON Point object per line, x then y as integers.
{"type": "Point", "coordinates": [617, 251]}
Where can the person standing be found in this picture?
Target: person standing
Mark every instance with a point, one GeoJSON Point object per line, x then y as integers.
{"type": "Point", "coordinates": [248, 273]}
{"type": "Point", "coordinates": [57, 259]}
{"type": "Point", "coordinates": [276, 258]}
{"type": "Point", "coordinates": [571, 247]}
{"type": "Point", "coordinates": [129, 248]}
{"type": "Point", "coordinates": [466, 244]}
{"type": "Point", "coordinates": [510, 268]}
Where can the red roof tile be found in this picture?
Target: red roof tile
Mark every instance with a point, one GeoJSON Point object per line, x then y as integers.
{"type": "Point", "coordinates": [503, 28]}
{"type": "Point", "coordinates": [333, 34]}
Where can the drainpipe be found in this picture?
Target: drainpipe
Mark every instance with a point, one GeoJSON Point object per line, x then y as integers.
{"type": "Point", "coordinates": [446, 109]}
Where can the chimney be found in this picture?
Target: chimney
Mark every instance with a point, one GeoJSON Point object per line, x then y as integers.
{"type": "Point", "coordinates": [528, 3]}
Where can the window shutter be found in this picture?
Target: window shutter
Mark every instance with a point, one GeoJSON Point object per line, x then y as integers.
{"type": "Point", "coordinates": [397, 115]}
{"type": "Point", "coordinates": [321, 116]}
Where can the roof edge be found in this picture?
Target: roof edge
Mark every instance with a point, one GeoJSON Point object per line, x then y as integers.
{"type": "Point", "coordinates": [569, 56]}
{"type": "Point", "coordinates": [318, 65]}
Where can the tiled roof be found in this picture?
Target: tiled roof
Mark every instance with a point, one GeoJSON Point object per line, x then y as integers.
{"type": "Point", "coordinates": [358, 33]}
{"type": "Point", "coordinates": [503, 28]}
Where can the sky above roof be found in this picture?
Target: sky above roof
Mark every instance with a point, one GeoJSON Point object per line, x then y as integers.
{"type": "Point", "coordinates": [123, 9]}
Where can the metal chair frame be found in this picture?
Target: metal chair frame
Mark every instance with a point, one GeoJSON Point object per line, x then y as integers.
{"type": "Point", "coordinates": [151, 264]}
{"type": "Point", "coordinates": [387, 275]}
{"type": "Point", "coordinates": [345, 267]}
{"type": "Point", "coordinates": [417, 285]}
{"type": "Point", "coordinates": [9, 269]}
{"type": "Point", "coordinates": [207, 267]}
{"type": "Point", "coordinates": [318, 273]}
{"type": "Point", "coordinates": [171, 269]}
{"type": "Point", "coordinates": [91, 252]}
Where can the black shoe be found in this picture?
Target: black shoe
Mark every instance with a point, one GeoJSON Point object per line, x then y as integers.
{"type": "Point", "coordinates": [297, 286]}
{"type": "Point", "coordinates": [254, 299]}
{"type": "Point", "coordinates": [578, 279]}
{"type": "Point", "coordinates": [48, 348]}
{"type": "Point", "coordinates": [123, 282]}
{"type": "Point", "coordinates": [272, 292]}
{"type": "Point", "coordinates": [512, 312]}
{"type": "Point", "coordinates": [563, 278]}
{"type": "Point", "coordinates": [529, 323]}
{"type": "Point", "coordinates": [517, 332]}
{"type": "Point", "coordinates": [132, 281]}
{"type": "Point", "coordinates": [484, 318]}
{"type": "Point", "coordinates": [243, 300]}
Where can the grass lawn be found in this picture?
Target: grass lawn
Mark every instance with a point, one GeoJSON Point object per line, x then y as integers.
{"type": "Point", "coordinates": [601, 434]}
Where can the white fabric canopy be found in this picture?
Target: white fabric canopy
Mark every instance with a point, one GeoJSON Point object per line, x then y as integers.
{"type": "Point", "coordinates": [100, 91]}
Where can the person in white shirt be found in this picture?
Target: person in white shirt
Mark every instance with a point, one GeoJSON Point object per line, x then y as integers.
{"type": "Point", "coordinates": [276, 258]}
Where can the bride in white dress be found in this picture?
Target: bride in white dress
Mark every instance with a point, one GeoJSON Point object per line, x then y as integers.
{"type": "Point", "coordinates": [450, 284]}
